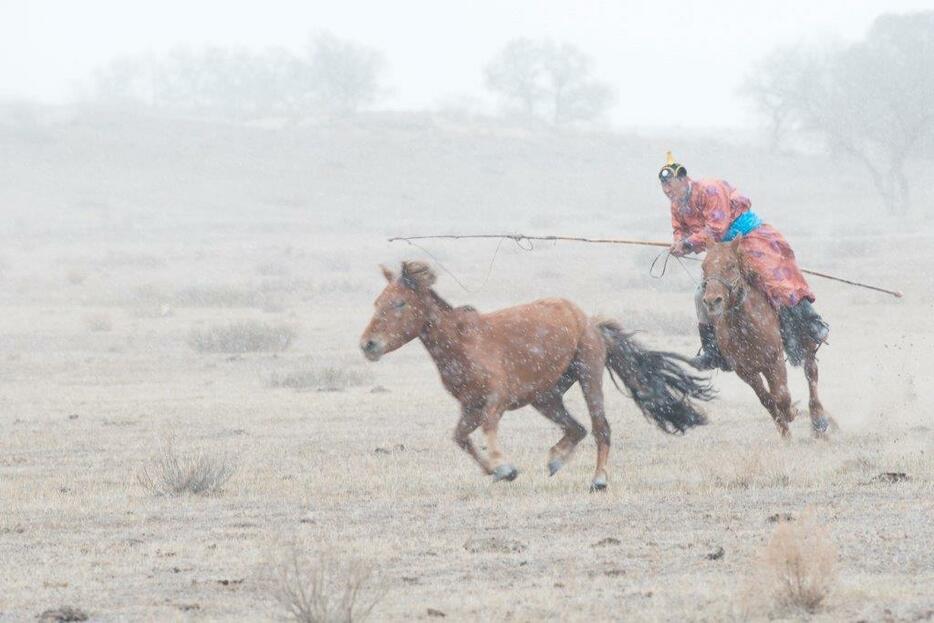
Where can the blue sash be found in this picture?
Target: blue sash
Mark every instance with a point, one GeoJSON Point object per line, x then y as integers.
{"type": "Point", "coordinates": [742, 225]}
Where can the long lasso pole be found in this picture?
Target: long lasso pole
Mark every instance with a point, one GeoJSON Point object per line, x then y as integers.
{"type": "Point", "coordinates": [643, 243]}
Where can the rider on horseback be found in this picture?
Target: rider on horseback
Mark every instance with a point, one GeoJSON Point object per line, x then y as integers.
{"type": "Point", "coordinates": [708, 209]}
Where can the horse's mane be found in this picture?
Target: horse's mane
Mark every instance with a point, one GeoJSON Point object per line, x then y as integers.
{"type": "Point", "coordinates": [445, 306]}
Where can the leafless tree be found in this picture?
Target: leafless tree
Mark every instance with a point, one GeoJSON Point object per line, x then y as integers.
{"type": "Point", "coordinates": [548, 80]}
{"type": "Point", "coordinates": [871, 102]}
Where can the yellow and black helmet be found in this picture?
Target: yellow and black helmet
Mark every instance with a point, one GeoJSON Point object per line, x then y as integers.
{"type": "Point", "coordinates": [671, 170]}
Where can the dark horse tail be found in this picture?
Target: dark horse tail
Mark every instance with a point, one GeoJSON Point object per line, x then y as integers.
{"type": "Point", "coordinates": [663, 390]}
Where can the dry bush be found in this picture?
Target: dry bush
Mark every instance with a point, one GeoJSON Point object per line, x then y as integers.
{"type": "Point", "coordinates": [246, 336]}
{"type": "Point", "coordinates": [322, 379]}
{"type": "Point", "coordinates": [76, 276]}
{"type": "Point", "coordinates": [746, 469]}
{"type": "Point", "coordinates": [325, 589]}
{"type": "Point", "coordinates": [195, 472]}
{"type": "Point", "coordinates": [123, 259]}
{"type": "Point", "coordinates": [217, 296]}
{"type": "Point", "coordinates": [272, 268]}
{"type": "Point", "coordinates": [797, 568]}
{"type": "Point", "coordinates": [339, 286]}
{"type": "Point", "coordinates": [98, 322]}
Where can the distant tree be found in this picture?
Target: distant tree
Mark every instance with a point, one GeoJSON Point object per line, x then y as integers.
{"type": "Point", "coordinates": [549, 81]}
{"type": "Point", "coordinates": [344, 76]}
{"type": "Point", "coordinates": [238, 84]}
{"type": "Point", "coordinates": [126, 80]}
{"type": "Point", "coordinates": [872, 101]}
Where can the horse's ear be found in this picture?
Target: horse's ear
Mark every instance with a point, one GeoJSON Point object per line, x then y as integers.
{"type": "Point", "coordinates": [388, 274]}
{"type": "Point", "coordinates": [417, 275]}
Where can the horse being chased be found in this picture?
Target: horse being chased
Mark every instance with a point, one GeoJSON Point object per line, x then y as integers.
{"type": "Point", "coordinates": [529, 355]}
{"type": "Point", "coordinates": [751, 338]}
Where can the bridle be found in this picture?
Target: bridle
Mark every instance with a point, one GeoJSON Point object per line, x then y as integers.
{"type": "Point", "coordinates": [731, 288]}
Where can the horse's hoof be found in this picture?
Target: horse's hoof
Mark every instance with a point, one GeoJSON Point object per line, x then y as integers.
{"type": "Point", "coordinates": [553, 466]}
{"type": "Point", "coordinates": [505, 472]}
{"type": "Point", "coordinates": [598, 484]}
{"type": "Point", "coordinates": [820, 425]}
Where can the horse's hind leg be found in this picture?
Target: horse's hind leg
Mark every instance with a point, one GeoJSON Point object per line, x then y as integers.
{"type": "Point", "coordinates": [819, 422]}
{"type": "Point", "coordinates": [552, 407]}
{"type": "Point", "coordinates": [591, 363]}
{"type": "Point", "coordinates": [754, 380]}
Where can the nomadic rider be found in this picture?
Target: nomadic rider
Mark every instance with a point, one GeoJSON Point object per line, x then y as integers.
{"type": "Point", "coordinates": [710, 209]}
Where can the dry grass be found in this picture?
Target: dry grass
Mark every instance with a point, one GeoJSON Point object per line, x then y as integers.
{"type": "Point", "coordinates": [321, 379]}
{"type": "Point", "coordinates": [196, 472]}
{"type": "Point", "coordinates": [325, 588]}
{"type": "Point", "coordinates": [76, 276]}
{"type": "Point", "coordinates": [797, 567]}
{"type": "Point", "coordinates": [246, 336]}
{"type": "Point", "coordinates": [217, 296]}
{"type": "Point", "coordinates": [98, 323]}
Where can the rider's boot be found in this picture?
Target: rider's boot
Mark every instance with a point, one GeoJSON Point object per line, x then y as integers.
{"type": "Point", "coordinates": [814, 326]}
{"type": "Point", "coordinates": [710, 357]}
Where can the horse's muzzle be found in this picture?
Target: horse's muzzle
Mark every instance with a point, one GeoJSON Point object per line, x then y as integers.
{"type": "Point", "coordinates": [372, 349]}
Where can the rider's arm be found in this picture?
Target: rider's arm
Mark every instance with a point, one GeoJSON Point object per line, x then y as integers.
{"type": "Point", "coordinates": [715, 207]}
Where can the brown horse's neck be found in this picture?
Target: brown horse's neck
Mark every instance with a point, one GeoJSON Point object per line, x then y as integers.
{"type": "Point", "coordinates": [749, 309]}
{"type": "Point", "coordinates": [442, 339]}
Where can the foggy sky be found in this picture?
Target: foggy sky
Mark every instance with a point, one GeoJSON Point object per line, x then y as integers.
{"type": "Point", "coordinates": [671, 63]}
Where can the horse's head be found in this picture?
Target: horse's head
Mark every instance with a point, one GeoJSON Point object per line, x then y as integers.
{"type": "Point", "coordinates": [401, 310]}
{"type": "Point", "coordinates": [724, 286]}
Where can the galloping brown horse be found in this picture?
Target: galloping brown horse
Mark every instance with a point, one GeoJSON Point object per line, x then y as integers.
{"type": "Point", "coordinates": [749, 336]}
{"type": "Point", "coordinates": [529, 355]}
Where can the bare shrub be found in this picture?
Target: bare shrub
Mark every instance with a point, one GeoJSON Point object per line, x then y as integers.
{"type": "Point", "coordinates": [76, 276]}
{"type": "Point", "coordinates": [98, 322]}
{"type": "Point", "coordinates": [195, 472]}
{"type": "Point", "coordinates": [150, 301]}
{"type": "Point", "coordinates": [339, 286]}
{"type": "Point", "coordinates": [798, 565]}
{"type": "Point", "coordinates": [217, 296]}
{"type": "Point", "coordinates": [246, 336]}
{"type": "Point", "coordinates": [322, 379]}
{"type": "Point", "coordinates": [272, 268]}
{"type": "Point", "coordinates": [123, 259]}
{"type": "Point", "coordinates": [325, 589]}
{"type": "Point", "coordinates": [747, 469]}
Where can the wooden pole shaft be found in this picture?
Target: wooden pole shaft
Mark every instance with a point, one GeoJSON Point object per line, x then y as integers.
{"type": "Point", "coordinates": [643, 243]}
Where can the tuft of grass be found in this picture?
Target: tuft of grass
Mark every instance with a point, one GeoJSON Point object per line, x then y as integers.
{"type": "Point", "coordinates": [799, 564]}
{"type": "Point", "coordinates": [246, 336]}
{"type": "Point", "coordinates": [217, 296]}
{"type": "Point", "coordinates": [321, 379]}
{"type": "Point", "coordinates": [75, 276]}
{"type": "Point", "coordinates": [196, 472]}
{"type": "Point", "coordinates": [98, 322]}
{"type": "Point", "coordinates": [325, 589]}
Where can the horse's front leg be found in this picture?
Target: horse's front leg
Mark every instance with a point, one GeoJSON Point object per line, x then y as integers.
{"type": "Point", "coordinates": [470, 420]}
{"type": "Point", "coordinates": [491, 414]}
{"type": "Point", "coordinates": [754, 380]}
{"type": "Point", "coordinates": [777, 377]}
{"type": "Point", "coordinates": [819, 422]}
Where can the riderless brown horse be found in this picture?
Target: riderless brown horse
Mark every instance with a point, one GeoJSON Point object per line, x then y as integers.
{"type": "Point", "coordinates": [749, 336]}
{"type": "Point", "coordinates": [529, 355]}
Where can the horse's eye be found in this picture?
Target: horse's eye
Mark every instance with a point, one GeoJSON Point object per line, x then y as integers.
{"type": "Point", "coordinates": [398, 304]}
